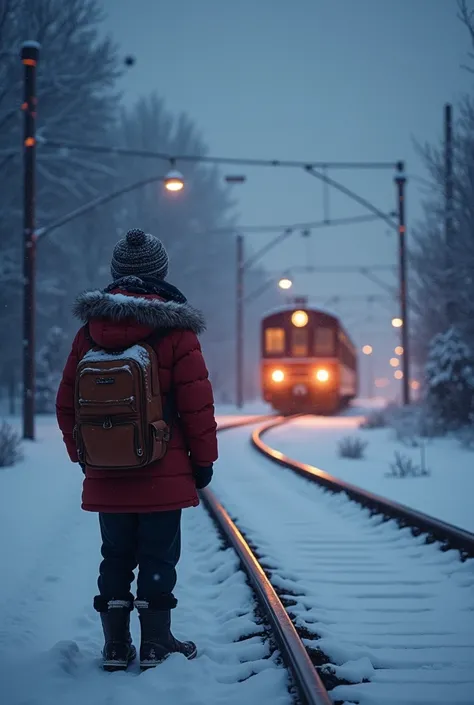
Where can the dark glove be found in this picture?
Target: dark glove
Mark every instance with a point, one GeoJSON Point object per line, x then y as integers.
{"type": "Point", "coordinates": [202, 476]}
{"type": "Point", "coordinates": [83, 467]}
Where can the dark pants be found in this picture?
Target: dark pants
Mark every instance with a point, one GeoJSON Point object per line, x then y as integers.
{"type": "Point", "coordinates": [150, 541]}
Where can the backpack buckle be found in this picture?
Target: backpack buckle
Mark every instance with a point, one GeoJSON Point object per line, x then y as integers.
{"type": "Point", "coordinates": [107, 423]}
{"type": "Point", "coordinates": [161, 434]}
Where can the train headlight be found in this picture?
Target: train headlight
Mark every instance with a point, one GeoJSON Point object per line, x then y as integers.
{"type": "Point", "coordinates": [278, 376]}
{"type": "Point", "coordinates": [322, 375]}
{"type": "Point", "coordinates": [299, 319]}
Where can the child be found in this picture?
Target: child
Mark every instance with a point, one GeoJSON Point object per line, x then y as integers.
{"type": "Point", "coordinates": [140, 509]}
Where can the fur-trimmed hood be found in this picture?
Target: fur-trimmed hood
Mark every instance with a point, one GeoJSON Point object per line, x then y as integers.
{"type": "Point", "coordinates": [145, 310]}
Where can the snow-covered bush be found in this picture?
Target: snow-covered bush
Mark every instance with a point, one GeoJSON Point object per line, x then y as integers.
{"type": "Point", "coordinates": [450, 379]}
{"type": "Point", "coordinates": [10, 446]}
{"type": "Point", "coordinates": [403, 466]}
{"type": "Point", "coordinates": [49, 367]}
{"type": "Point", "coordinates": [466, 436]}
{"type": "Point", "coordinates": [352, 447]}
{"type": "Point", "coordinates": [377, 419]}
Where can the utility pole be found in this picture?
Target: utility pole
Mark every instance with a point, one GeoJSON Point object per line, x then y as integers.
{"type": "Point", "coordinates": [29, 59]}
{"type": "Point", "coordinates": [400, 180]}
{"type": "Point", "coordinates": [239, 352]}
{"type": "Point", "coordinates": [448, 213]}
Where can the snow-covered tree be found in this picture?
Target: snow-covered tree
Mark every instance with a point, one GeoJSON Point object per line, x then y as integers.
{"type": "Point", "coordinates": [442, 263]}
{"type": "Point", "coordinates": [450, 379]}
{"type": "Point", "coordinates": [49, 367]}
{"type": "Point", "coordinates": [76, 75]}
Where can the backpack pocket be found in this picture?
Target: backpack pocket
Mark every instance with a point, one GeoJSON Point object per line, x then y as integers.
{"type": "Point", "coordinates": [160, 433]}
{"type": "Point", "coordinates": [111, 444]}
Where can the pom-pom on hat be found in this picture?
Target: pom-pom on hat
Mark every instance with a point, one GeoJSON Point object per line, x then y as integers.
{"type": "Point", "coordinates": [141, 255]}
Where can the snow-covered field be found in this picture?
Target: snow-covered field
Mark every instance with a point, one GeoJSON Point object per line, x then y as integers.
{"type": "Point", "coordinates": [447, 493]}
{"type": "Point", "coordinates": [50, 636]}
{"type": "Point", "coordinates": [387, 607]}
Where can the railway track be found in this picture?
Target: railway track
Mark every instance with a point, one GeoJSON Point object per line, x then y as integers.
{"type": "Point", "coordinates": [358, 588]}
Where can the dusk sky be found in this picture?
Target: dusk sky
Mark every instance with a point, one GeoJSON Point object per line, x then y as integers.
{"type": "Point", "coordinates": [312, 80]}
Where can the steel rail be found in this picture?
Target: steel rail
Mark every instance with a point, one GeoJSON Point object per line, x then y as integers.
{"type": "Point", "coordinates": [448, 534]}
{"type": "Point", "coordinates": [292, 648]}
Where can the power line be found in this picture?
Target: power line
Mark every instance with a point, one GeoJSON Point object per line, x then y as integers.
{"type": "Point", "coordinates": [351, 194]}
{"type": "Point", "coordinates": [231, 161]}
{"type": "Point", "coordinates": [312, 225]}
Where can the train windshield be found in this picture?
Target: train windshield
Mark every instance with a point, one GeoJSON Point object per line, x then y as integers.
{"type": "Point", "coordinates": [299, 342]}
{"type": "Point", "coordinates": [324, 341]}
{"type": "Point", "coordinates": [274, 341]}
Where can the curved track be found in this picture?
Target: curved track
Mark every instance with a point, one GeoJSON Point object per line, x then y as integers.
{"type": "Point", "coordinates": [295, 655]}
{"type": "Point", "coordinates": [356, 588]}
{"type": "Point", "coordinates": [450, 536]}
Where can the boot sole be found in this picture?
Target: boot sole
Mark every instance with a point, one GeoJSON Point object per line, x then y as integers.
{"type": "Point", "coordinates": [146, 665]}
{"type": "Point", "coordinates": [115, 665]}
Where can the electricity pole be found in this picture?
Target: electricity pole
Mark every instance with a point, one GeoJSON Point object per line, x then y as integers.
{"type": "Point", "coordinates": [448, 214]}
{"type": "Point", "coordinates": [29, 59]}
{"type": "Point", "coordinates": [400, 180]}
{"type": "Point", "coordinates": [240, 323]}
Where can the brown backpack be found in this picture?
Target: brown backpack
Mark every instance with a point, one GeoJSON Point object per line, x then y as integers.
{"type": "Point", "coordinates": [119, 413]}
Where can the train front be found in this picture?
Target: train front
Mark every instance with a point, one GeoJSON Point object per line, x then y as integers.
{"type": "Point", "coordinates": [300, 369]}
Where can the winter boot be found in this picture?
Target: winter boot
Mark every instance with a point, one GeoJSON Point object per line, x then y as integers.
{"type": "Point", "coordinates": [157, 641]}
{"type": "Point", "coordinates": [118, 651]}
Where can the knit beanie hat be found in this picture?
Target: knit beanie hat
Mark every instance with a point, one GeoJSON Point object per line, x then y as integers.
{"type": "Point", "coordinates": [141, 255]}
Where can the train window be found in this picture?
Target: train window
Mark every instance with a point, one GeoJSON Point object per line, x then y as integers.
{"type": "Point", "coordinates": [324, 341]}
{"type": "Point", "coordinates": [275, 341]}
{"type": "Point", "coordinates": [299, 342]}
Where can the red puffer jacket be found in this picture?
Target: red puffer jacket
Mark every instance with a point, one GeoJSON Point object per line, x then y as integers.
{"type": "Point", "coordinates": [118, 319]}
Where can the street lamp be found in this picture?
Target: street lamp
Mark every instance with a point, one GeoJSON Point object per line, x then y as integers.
{"type": "Point", "coordinates": [397, 322]}
{"type": "Point", "coordinates": [398, 374]}
{"type": "Point", "coordinates": [368, 350]}
{"type": "Point", "coordinates": [398, 350]}
{"type": "Point", "coordinates": [285, 283]}
{"type": "Point", "coordinates": [394, 362]}
{"type": "Point", "coordinates": [174, 181]}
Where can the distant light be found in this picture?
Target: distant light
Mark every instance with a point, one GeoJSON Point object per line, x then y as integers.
{"type": "Point", "coordinates": [367, 350]}
{"type": "Point", "coordinates": [398, 350]}
{"type": "Point", "coordinates": [397, 322]}
{"type": "Point", "coordinates": [394, 362]}
{"type": "Point", "coordinates": [415, 384]}
{"type": "Point", "coordinates": [398, 374]}
{"type": "Point", "coordinates": [382, 382]}
{"type": "Point", "coordinates": [174, 181]}
{"type": "Point", "coordinates": [299, 319]}
{"type": "Point", "coordinates": [285, 283]}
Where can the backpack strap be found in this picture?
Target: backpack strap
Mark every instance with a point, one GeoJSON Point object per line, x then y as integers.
{"type": "Point", "coordinates": [169, 407]}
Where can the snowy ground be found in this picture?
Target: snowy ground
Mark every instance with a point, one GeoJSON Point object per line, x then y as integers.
{"type": "Point", "coordinates": [447, 493]}
{"type": "Point", "coordinates": [388, 608]}
{"type": "Point", "coordinates": [50, 637]}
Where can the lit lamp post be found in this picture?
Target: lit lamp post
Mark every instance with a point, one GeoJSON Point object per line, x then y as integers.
{"type": "Point", "coordinates": [368, 350]}
{"type": "Point", "coordinates": [242, 266]}
{"type": "Point", "coordinates": [173, 181]}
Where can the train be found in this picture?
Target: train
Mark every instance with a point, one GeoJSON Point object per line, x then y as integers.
{"type": "Point", "coordinates": [308, 361]}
